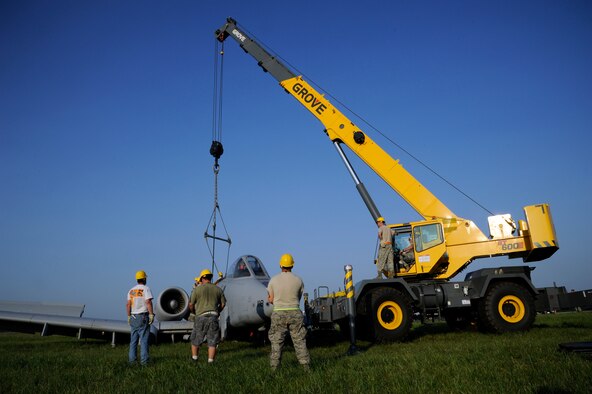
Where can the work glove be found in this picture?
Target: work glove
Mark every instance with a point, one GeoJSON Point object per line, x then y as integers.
{"type": "Point", "coordinates": [129, 320]}
{"type": "Point", "coordinates": [150, 319]}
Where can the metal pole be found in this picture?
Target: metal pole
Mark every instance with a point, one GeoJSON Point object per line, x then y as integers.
{"type": "Point", "coordinates": [351, 311]}
{"type": "Point", "coordinates": [359, 185]}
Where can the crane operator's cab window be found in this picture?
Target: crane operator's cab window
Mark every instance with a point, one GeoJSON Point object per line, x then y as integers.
{"type": "Point", "coordinates": [401, 240]}
{"type": "Point", "coordinates": [404, 251]}
{"type": "Point", "coordinates": [427, 236]}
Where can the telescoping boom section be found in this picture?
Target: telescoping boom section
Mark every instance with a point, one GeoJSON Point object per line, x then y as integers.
{"type": "Point", "coordinates": [443, 243]}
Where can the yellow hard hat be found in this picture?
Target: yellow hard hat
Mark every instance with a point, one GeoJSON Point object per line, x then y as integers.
{"type": "Point", "coordinates": [197, 278]}
{"type": "Point", "coordinates": [287, 261]}
{"type": "Point", "coordinates": [140, 275]}
{"type": "Point", "coordinates": [380, 219]}
{"type": "Point", "coordinates": [205, 272]}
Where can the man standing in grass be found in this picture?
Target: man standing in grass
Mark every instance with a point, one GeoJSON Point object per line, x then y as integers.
{"type": "Point", "coordinates": [207, 301]}
{"type": "Point", "coordinates": [284, 292]}
{"type": "Point", "coordinates": [139, 316]}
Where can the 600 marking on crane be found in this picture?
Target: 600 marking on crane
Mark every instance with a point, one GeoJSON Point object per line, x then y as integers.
{"type": "Point", "coordinates": [510, 245]}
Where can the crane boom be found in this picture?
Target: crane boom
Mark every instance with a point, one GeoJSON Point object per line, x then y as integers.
{"type": "Point", "coordinates": [444, 244]}
{"type": "Point", "coordinates": [339, 128]}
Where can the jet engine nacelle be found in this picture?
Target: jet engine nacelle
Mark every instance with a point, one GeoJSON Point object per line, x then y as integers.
{"type": "Point", "coordinates": [172, 304]}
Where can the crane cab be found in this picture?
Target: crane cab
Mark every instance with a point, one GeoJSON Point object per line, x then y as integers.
{"type": "Point", "coordinates": [419, 247]}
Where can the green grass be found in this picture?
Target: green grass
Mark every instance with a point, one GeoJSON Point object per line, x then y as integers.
{"type": "Point", "coordinates": [434, 360]}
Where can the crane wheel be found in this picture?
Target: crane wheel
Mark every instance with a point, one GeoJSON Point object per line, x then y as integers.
{"type": "Point", "coordinates": [507, 307]}
{"type": "Point", "coordinates": [391, 315]}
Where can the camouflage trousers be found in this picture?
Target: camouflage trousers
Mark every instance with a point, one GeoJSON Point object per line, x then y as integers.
{"type": "Point", "coordinates": [386, 260]}
{"type": "Point", "coordinates": [283, 322]}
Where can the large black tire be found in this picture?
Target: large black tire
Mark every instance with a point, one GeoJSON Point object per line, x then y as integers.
{"type": "Point", "coordinates": [391, 316]}
{"type": "Point", "coordinates": [507, 307]}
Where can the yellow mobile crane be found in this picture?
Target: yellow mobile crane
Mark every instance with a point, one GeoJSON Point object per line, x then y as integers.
{"type": "Point", "coordinates": [500, 299]}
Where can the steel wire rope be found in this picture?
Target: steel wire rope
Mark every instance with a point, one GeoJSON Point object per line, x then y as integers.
{"type": "Point", "coordinates": [216, 150]}
{"type": "Point", "coordinates": [363, 120]}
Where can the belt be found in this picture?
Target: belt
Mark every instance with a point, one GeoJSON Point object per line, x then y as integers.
{"type": "Point", "coordinates": [387, 243]}
{"type": "Point", "coordinates": [141, 313]}
{"type": "Point", "coordinates": [209, 313]}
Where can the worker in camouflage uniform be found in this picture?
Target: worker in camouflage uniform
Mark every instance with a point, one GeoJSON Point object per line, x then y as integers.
{"type": "Point", "coordinates": [284, 292]}
{"type": "Point", "coordinates": [386, 259]}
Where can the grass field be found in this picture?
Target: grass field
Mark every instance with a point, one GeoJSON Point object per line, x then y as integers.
{"type": "Point", "coordinates": [434, 360]}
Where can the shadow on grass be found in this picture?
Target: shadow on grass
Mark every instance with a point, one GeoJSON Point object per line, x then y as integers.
{"type": "Point", "coordinates": [330, 338]}
{"type": "Point", "coordinates": [551, 390]}
{"type": "Point", "coordinates": [432, 329]}
{"type": "Point", "coordinates": [324, 338]}
{"type": "Point", "coordinates": [562, 325]}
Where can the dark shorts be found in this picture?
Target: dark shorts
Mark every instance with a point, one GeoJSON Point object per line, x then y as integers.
{"type": "Point", "coordinates": [205, 329]}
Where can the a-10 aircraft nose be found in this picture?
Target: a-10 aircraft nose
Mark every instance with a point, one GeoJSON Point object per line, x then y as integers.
{"type": "Point", "coordinates": [265, 308]}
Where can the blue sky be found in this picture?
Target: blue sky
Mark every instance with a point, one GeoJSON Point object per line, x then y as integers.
{"type": "Point", "coordinates": [106, 124]}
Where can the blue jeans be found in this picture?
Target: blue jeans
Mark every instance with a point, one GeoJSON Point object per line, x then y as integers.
{"type": "Point", "coordinates": [140, 331]}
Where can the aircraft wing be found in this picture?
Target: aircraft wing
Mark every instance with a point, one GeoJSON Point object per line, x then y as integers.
{"type": "Point", "coordinates": [73, 310]}
{"type": "Point", "coordinates": [24, 317]}
{"type": "Point", "coordinates": [172, 328]}
{"type": "Point", "coordinates": [81, 327]}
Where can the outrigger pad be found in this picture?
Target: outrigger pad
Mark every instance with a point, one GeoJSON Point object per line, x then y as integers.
{"type": "Point", "coordinates": [577, 347]}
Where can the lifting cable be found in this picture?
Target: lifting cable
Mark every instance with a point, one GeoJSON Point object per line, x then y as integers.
{"type": "Point", "coordinates": [271, 51]}
{"type": "Point", "coordinates": [216, 150]}
{"type": "Point", "coordinates": [411, 155]}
